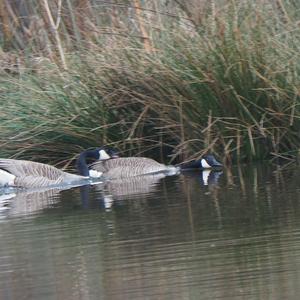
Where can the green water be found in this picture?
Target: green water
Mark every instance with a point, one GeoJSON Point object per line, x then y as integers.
{"type": "Point", "coordinates": [238, 237]}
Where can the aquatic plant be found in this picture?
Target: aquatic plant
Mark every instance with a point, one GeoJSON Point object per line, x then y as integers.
{"type": "Point", "coordinates": [218, 79]}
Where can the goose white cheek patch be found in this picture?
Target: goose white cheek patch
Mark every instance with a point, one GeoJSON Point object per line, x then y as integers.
{"type": "Point", "coordinates": [95, 174]}
{"type": "Point", "coordinates": [103, 155]}
{"type": "Point", "coordinates": [204, 164]}
{"type": "Point", "coordinates": [6, 178]}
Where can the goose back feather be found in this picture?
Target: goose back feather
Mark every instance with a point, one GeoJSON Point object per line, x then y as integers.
{"type": "Point", "coordinates": [30, 174]}
{"type": "Point", "coordinates": [124, 167]}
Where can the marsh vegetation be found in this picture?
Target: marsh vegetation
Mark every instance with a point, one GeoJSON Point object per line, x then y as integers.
{"type": "Point", "coordinates": [162, 77]}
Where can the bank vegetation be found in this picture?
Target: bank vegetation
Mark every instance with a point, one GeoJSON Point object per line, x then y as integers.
{"type": "Point", "coordinates": [170, 79]}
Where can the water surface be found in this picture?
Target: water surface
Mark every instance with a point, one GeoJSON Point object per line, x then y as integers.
{"type": "Point", "coordinates": [234, 235]}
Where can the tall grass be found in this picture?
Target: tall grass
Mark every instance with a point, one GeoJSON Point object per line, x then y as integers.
{"type": "Point", "coordinates": [221, 79]}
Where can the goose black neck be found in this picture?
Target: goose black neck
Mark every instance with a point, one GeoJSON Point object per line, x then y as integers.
{"type": "Point", "coordinates": [193, 165]}
{"type": "Point", "coordinates": [81, 164]}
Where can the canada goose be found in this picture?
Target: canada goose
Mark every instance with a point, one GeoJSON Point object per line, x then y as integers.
{"type": "Point", "coordinates": [114, 167]}
{"type": "Point", "coordinates": [28, 174]}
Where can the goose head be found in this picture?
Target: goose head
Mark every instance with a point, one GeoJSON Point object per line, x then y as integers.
{"type": "Point", "coordinates": [209, 161]}
{"type": "Point", "coordinates": [107, 153]}
{"type": "Point", "coordinates": [102, 153]}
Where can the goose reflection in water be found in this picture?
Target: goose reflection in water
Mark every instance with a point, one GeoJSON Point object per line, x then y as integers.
{"type": "Point", "coordinates": [210, 177]}
{"type": "Point", "coordinates": [135, 187]}
{"type": "Point", "coordinates": [20, 201]}
{"type": "Point", "coordinates": [25, 202]}
{"type": "Point", "coordinates": [28, 202]}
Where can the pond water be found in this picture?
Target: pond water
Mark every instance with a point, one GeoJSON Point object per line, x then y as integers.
{"type": "Point", "coordinates": [230, 235]}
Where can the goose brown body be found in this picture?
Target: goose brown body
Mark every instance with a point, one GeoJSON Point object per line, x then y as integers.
{"type": "Point", "coordinates": [125, 167]}
{"type": "Point", "coordinates": [30, 174]}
